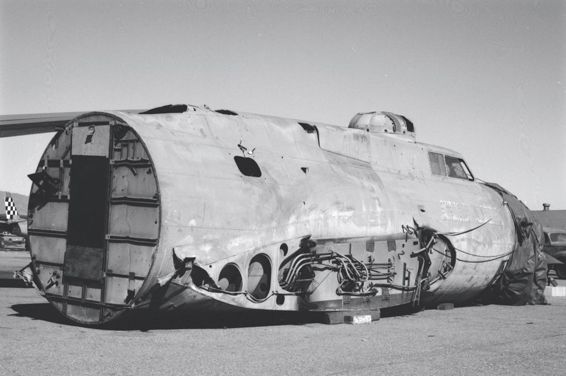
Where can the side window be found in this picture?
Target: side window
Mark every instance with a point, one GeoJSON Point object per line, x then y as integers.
{"type": "Point", "coordinates": [437, 163]}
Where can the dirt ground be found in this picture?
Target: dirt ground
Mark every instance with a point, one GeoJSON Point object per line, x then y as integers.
{"type": "Point", "coordinates": [478, 340]}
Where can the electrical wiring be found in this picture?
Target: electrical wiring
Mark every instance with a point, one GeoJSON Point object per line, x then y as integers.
{"type": "Point", "coordinates": [465, 231]}
{"type": "Point", "coordinates": [477, 261]}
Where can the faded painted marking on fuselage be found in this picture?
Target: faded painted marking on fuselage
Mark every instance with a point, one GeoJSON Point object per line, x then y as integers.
{"type": "Point", "coordinates": [458, 211]}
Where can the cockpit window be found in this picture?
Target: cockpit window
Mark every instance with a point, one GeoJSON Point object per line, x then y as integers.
{"type": "Point", "coordinates": [437, 163]}
{"type": "Point", "coordinates": [445, 165]}
{"type": "Point", "coordinates": [457, 168]}
{"type": "Point", "coordinates": [558, 237]}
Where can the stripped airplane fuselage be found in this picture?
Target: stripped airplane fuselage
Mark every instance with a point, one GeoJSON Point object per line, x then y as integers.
{"type": "Point", "coordinates": [204, 210]}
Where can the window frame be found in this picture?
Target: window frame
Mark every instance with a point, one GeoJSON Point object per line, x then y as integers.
{"type": "Point", "coordinates": [439, 158]}
{"type": "Point", "coordinates": [444, 169]}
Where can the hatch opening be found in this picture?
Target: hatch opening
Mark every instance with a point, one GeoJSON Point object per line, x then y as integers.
{"type": "Point", "coordinates": [248, 166]}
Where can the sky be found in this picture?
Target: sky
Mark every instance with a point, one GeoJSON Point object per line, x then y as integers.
{"type": "Point", "coordinates": [485, 78]}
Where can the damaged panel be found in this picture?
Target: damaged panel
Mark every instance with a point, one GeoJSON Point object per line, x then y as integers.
{"type": "Point", "coordinates": [62, 176]}
{"type": "Point", "coordinates": [51, 278]}
{"type": "Point", "coordinates": [59, 147]}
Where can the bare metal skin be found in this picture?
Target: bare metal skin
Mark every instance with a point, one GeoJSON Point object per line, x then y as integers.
{"type": "Point", "coordinates": [206, 211]}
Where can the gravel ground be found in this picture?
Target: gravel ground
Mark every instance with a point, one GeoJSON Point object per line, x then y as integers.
{"type": "Point", "coordinates": [479, 340]}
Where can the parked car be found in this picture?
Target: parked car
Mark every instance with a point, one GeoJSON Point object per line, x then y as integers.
{"type": "Point", "coordinates": [12, 242]}
{"type": "Point", "coordinates": [555, 246]}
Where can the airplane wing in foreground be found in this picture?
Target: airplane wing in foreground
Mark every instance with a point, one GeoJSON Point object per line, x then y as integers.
{"type": "Point", "coordinates": [19, 125]}
{"type": "Point", "coordinates": [25, 124]}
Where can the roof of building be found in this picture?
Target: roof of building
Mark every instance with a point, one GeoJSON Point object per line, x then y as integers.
{"type": "Point", "coordinates": [551, 218]}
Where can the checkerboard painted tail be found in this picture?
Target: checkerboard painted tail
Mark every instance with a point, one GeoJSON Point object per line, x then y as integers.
{"type": "Point", "coordinates": [10, 207]}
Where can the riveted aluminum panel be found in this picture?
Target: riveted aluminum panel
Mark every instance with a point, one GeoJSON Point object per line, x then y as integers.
{"type": "Point", "coordinates": [134, 221]}
{"type": "Point", "coordinates": [133, 182]}
{"type": "Point", "coordinates": [51, 216]}
{"type": "Point", "coordinates": [93, 294]}
{"type": "Point", "coordinates": [125, 258]}
{"type": "Point", "coordinates": [48, 249]}
{"type": "Point", "coordinates": [117, 289]}
{"type": "Point", "coordinates": [91, 140]}
{"type": "Point", "coordinates": [75, 291]}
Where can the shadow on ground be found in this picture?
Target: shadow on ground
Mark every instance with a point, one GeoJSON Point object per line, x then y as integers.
{"type": "Point", "coordinates": [12, 282]}
{"type": "Point", "coordinates": [155, 321]}
{"type": "Point", "coordinates": [39, 311]}
{"type": "Point", "coordinates": [145, 321]}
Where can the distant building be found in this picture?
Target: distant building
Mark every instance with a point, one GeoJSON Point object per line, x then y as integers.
{"type": "Point", "coordinates": [551, 218]}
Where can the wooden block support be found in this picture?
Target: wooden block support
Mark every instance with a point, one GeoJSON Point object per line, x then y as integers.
{"type": "Point", "coordinates": [350, 317]}
{"type": "Point", "coordinates": [445, 306]}
{"type": "Point", "coordinates": [555, 291]}
{"type": "Point", "coordinates": [357, 319]}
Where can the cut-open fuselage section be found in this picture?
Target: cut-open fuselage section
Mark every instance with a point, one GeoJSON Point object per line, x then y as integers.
{"type": "Point", "coordinates": [311, 218]}
{"type": "Point", "coordinates": [94, 225]}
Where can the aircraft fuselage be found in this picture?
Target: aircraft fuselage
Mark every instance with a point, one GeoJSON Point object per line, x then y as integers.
{"type": "Point", "coordinates": [206, 210]}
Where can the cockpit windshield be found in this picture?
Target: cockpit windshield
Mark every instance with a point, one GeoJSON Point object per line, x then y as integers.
{"type": "Point", "coordinates": [558, 237]}
{"type": "Point", "coordinates": [446, 165]}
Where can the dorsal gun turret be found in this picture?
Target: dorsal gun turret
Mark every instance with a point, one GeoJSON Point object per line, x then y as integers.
{"type": "Point", "coordinates": [383, 122]}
